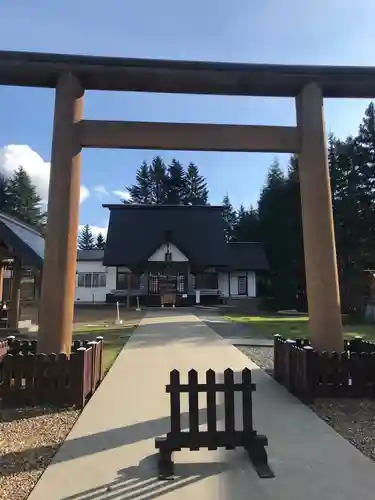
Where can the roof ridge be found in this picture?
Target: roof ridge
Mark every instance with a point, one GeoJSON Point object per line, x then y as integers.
{"type": "Point", "coordinates": [21, 223]}
{"type": "Point", "coordinates": [159, 206]}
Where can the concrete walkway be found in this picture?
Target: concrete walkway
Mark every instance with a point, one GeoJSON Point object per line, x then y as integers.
{"type": "Point", "coordinates": [110, 452]}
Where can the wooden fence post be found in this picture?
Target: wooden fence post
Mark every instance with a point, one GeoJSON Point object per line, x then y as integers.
{"type": "Point", "coordinates": [77, 377]}
{"type": "Point", "coordinates": [229, 404]}
{"type": "Point", "coordinates": [10, 339]}
{"type": "Point", "coordinates": [277, 357]}
{"type": "Point", "coordinates": [356, 344]}
{"type": "Point", "coordinates": [193, 407]}
{"type": "Point", "coordinates": [175, 402]}
{"type": "Point", "coordinates": [211, 405]}
{"type": "Point", "coordinates": [247, 402]}
{"type": "Point", "coordinates": [308, 384]}
{"type": "Point", "coordinates": [92, 345]}
{"type": "Point", "coordinates": [101, 347]}
{"type": "Point", "coordinates": [289, 376]}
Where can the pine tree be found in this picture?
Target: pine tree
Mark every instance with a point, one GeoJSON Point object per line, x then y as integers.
{"type": "Point", "coordinates": [159, 180]}
{"type": "Point", "coordinates": [365, 164]}
{"type": "Point", "coordinates": [293, 229]}
{"type": "Point", "coordinates": [354, 209]}
{"type": "Point", "coordinates": [141, 191]}
{"type": "Point", "coordinates": [273, 213]}
{"type": "Point", "coordinates": [230, 218]}
{"type": "Point", "coordinates": [86, 239]}
{"type": "Point", "coordinates": [345, 184]}
{"type": "Point", "coordinates": [241, 213]}
{"type": "Point", "coordinates": [175, 183]}
{"type": "Point", "coordinates": [23, 200]}
{"type": "Point", "coordinates": [196, 191]}
{"type": "Point", "coordinates": [247, 227]}
{"type": "Point", "coordinates": [100, 242]}
{"type": "Point", "coordinates": [4, 194]}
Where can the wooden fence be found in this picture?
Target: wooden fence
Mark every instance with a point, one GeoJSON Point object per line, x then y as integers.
{"type": "Point", "coordinates": [309, 374]}
{"type": "Point", "coordinates": [212, 438]}
{"type": "Point", "coordinates": [30, 378]}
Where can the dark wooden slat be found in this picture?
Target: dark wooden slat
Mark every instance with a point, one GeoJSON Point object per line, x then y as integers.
{"type": "Point", "coordinates": [6, 372]}
{"type": "Point", "coordinates": [18, 371]}
{"type": "Point", "coordinates": [247, 404]}
{"type": "Point", "coordinates": [62, 360]}
{"type": "Point", "coordinates": [29, 372]}
{"type": "Point", "coordinates": [193, 404]}
{"type": "Point", "coordinates": [76, 345]}
{"type": "Point", "coordinates": [211, 404]}
{"type": "Point", "coordinates": [229, 403]}
{"type": "Point", "coordinates": [175, 401]}
{"type": "Point", "coordinates": [16, 347]}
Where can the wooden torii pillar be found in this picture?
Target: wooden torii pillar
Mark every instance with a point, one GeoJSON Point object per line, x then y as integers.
{"type": "Point", "coordinates": [318, 230]}
{"type": "Point", "coordinates": [59, 270]}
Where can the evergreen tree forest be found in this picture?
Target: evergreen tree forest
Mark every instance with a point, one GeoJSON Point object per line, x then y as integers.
{"type": "Point", "coordinates": [168, 184]}
{"type": "Point", "coordinates": [277, 221]}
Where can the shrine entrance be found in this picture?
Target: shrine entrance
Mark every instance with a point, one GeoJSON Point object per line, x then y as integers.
{"type": "Point", "coordinates": [72, 75]}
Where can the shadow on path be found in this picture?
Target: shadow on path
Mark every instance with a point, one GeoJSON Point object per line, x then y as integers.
{"type": "Point", "coordinates": [141, 481]}
{"type": "Point", "coordinates": [95, 443]}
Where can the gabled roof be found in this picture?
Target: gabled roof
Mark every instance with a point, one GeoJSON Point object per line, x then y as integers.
{"type": "Point", "coordinates": [90, 255]}
{"type": "Point", "coordinates": [22, 240]}
{"type": "Point", "coordinates": [135, 232]}
{"type": "Point", "coordinates": [247, 256]}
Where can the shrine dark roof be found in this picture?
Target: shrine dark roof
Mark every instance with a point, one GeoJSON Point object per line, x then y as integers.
{"type": "Point", "coordinates": [135, 232]}
{"type": "Point", "coordinates": [247, 256]}
{"type": "Point", "coordinates": [90, 255]}
{"type": "Point", "coordinates": [22, 241]}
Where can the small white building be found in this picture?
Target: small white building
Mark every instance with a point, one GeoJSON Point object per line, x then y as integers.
{"type": "Point", "coordinates": [153, 250]}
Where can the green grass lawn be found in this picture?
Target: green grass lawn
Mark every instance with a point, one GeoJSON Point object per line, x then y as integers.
{"type": "Point", "coordinates": [295, 326]}
{"type": "Point", "coordinates": [114, 340]}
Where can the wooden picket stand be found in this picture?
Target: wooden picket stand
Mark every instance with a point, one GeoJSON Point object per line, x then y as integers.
{"type": "Point", "coordinates": [194, 439]}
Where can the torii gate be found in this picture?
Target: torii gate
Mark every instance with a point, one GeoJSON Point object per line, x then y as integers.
{"type": "Point", "coordinates": [71, 75]}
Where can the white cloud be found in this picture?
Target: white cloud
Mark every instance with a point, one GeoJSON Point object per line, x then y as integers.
{"type": "Point", "coordinates": [96, 230]}
{"type": "Point", "coordinates": [15, 155]}
{"type": "Point", "coordinates": [124, 195]}
{"type": "Point", "coordinates": [84, 194]}
{"type": "Point", "coordinates": [100, 191]}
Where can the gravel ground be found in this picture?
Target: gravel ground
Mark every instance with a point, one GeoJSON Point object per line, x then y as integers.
{"type": "Point", "coordinates": [353, 419]}
{"type": "Point", "coordinates": [262, 356]}
{"type": "Point", "coordinates": [29, 438]}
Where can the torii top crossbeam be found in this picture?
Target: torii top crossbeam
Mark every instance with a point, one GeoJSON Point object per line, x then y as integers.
{"type": "Point", "coordinates": [186, 77]}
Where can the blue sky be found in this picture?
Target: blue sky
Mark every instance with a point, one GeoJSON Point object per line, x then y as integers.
{"type": "Point", "coordinates": [268, 31]}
